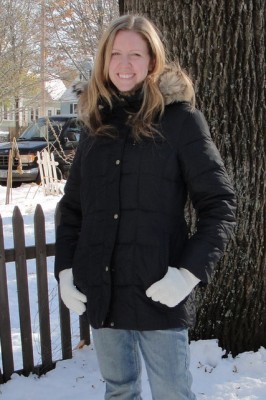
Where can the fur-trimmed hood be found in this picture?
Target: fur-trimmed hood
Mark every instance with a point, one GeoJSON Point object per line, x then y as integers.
{"type": "Point", "coordinates": [174, 85]}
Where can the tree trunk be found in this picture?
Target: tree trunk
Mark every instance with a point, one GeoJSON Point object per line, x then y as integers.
{"type": "Point", "coordinates": [222, 46]}
{"type": "Point", "coordinates": [17, 115]}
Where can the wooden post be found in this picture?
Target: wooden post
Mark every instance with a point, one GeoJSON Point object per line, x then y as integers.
{"type": "Point", "coordinates": [54, 175]}
{"type": "Point", "coordinates": [41, 170]}
{"type": "Point", "coordinates": [9, 176]}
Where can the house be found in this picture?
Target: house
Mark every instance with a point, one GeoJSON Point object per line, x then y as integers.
{"type": "Point", "coordinates": [69, 98]}
{"type": "Point", "coordinates": [58, 100]}
{"type": "Point", "coordinates": [29, 108]}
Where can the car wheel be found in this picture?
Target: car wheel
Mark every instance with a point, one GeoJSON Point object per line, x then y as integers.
{"type": "Point", "coordinates": [38, 179]}
{"type": "Point", "coordinates": [59, 174]}
{"type": "Point", "coordinates": [16, 184]}
{"type": "Point", "coordinates": [65, 174]}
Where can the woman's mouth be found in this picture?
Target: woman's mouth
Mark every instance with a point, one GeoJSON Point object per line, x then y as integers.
{"type": "Point", "coordinates": [125, 76]}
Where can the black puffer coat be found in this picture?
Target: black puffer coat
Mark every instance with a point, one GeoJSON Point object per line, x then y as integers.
{"type": "Point", "coordinates": [122, 216]}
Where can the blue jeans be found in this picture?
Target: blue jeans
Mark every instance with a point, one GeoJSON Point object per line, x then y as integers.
{"type": "Point", "coordinates": [166, 357]}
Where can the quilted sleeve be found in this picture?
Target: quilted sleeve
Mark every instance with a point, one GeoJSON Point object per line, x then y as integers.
{"type": "Point", "coordinates": [212, 196]}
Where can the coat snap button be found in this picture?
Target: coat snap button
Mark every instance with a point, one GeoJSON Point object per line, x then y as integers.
{"type": "Point", "coordinates": [117, 162]}
{"type": "Point", "coordinates": [115, 216]}
{"type": "Point", "coordinates": [106, 268]}
{"type": "Point", "coordinates": [112, 324]}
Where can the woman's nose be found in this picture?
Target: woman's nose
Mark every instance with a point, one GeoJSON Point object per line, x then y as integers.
{"type": "Point", "coordinates": [125, 60]}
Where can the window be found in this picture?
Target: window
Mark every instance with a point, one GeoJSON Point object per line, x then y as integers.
{"type": "Point", "coordinates": [49, 113]}
{"type": "Point", "coordinates": [73, 108]}
{"type": "Point", "coordinates": [5, 112]}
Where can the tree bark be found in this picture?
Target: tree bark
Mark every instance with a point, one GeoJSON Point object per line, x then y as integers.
{"type": "Point", "coordinates": [222, 46]}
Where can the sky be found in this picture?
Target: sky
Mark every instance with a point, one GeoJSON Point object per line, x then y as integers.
{"type": "Point", "coordinates": [214, 377]}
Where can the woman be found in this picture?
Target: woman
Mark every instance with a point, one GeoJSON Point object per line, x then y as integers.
{"type": "Point", "coordinates": [122, 249]}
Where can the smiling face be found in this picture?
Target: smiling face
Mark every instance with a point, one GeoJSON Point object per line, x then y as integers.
{"type": "Point", "coordinates": [130, 60]}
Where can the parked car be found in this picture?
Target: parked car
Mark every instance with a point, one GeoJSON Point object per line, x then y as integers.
{"type": "Point", "coordinates": [60, 134]}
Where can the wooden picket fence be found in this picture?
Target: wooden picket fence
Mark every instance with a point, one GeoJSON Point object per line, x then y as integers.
{"type": "Point", "coordinates": [20, 254]}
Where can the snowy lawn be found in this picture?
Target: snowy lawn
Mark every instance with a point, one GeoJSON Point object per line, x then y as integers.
{"type": "Point", "coordinates": [215, 378]}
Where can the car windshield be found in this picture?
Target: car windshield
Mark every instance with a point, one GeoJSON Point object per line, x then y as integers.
{"type": "Point", "coordinates": [43, 129]}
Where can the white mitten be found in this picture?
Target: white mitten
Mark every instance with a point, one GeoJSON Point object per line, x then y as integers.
{"type": "Point", "coordinates": [174, 287]}
{"type": "Point", "coordinates": [72, 297]}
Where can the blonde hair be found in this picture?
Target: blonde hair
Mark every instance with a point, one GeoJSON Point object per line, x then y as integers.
{"type": "Point", "coordinates": [99, 86]}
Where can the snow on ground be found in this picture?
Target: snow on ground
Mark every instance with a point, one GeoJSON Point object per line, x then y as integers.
{"type": "Point", "coordinates": [215, 378]}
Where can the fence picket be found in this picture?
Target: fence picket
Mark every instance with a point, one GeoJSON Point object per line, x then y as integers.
{"type": "Point", "coordinates": [42, 285]}
{"type": "Point", "coordinates": [65, 329]}
{"type": "Point", "coordinates": [63, 311]}
{"type": "Point", "coordinates": [23, 291]}
{"type": "Point", "coordinates": [5, 326]}
{"type": "Point", "coordinates": [83, 329]}
{"type": "Point", "coordinates": [54, 175]}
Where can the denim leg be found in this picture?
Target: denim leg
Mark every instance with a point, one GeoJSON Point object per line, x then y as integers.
{"type": "Point", "coordinates": [166, 356]}
{"type": "Point", "coordinates": [120, 363]}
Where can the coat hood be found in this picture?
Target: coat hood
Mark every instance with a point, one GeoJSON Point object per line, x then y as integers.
{"type": "Point", "coordinates": [174, 85]}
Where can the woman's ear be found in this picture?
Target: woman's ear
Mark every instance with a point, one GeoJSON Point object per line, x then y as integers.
{"type": "Point", "coordinates": [151, 65]}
